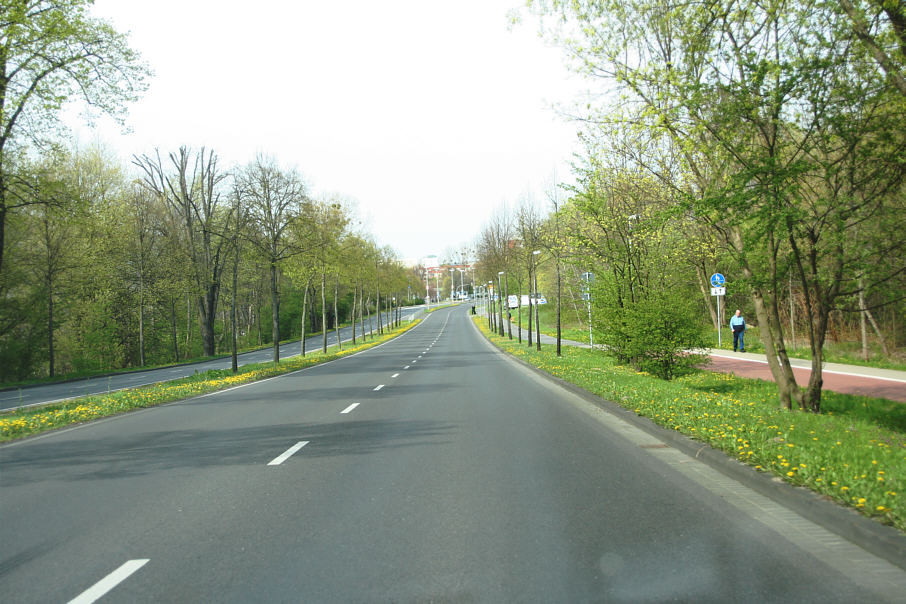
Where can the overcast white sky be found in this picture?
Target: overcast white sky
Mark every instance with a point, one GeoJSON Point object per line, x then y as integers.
{"type": "Point", "coordinates": [428, 114]}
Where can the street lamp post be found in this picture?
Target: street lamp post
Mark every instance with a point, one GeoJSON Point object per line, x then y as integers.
{"type": "Point", "coordinates": [537, 324]}
{"type": "Point", "coordinates": [506, 296]}
{"type": "Point", "coordinates": [492, 315]}
{"type": "Point", "coordinates": [502, 301]}
{"type": "Point", "coordinates": [631, 287]}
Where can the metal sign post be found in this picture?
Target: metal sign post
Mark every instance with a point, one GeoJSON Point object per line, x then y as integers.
{"type": "Point", "coordinates": [718, 289]}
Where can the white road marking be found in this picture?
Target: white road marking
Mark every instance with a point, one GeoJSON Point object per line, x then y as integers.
{"type": "Point", "coordinates": [109, 582]}
{"type": "Point", "coordinates": [379, 387]}
{"type": "Point", "coordinates": [395, 375]}
{"type": "Point", "coordinates": [288, 453]}
{"type": "Point", "coordinates": [349, 408]}
{"type": "Point", "coordinates": [406, 367]}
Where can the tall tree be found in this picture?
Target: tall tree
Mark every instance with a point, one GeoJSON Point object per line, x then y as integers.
{"type": "Point", "coordinates": [274, 197]}
{"type": "Point", "coordinates": [52, 51]}
{"type": "Point", "coordinates": [191, 188]}
{"type": "Point", "coordinates": [790, 142]}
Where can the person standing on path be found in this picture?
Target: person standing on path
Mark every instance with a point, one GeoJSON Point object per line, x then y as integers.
{"type": "Point", "coordinates": [738, 325]}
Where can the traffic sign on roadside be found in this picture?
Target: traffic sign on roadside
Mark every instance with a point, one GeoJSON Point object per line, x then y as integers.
{"type": "Point", "coordinates": [718, 291]}
{"type": "Point", "coordinates": [717, 280]}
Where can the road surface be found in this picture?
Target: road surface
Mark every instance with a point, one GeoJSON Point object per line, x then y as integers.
{"type": "Point", "coordinates": [432, 468]}
{"type": "Point", "coordinates": [46, 393]}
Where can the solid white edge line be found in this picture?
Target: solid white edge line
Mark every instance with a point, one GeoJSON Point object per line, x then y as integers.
{"type": "Point", "coordinates": [862, 375]}
{"type": "Point", "coordinates": [379, 387]}
{"type": "Point", "coordinates": [288, 453]}
{"type": "Point", "coordinates": [349, 408]}
{"type": "Point", "coordinates": [109, 582]}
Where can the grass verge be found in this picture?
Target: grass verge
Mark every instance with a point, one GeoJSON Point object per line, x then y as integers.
{"type": "Point", "coordinates": [854, 452]}
{"type": "Point", "coordinates": [27, 422]}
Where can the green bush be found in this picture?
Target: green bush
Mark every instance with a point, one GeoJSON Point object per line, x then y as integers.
{"type": "Point", "coordinates": [654, 332]}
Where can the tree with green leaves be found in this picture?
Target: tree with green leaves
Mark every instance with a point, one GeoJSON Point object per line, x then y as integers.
{"type": "Point", "coordinates": [274, 198]}
{"type": "Point", "coordinates": [791, 140]}
{"type": "Point", "coordinates": [51, 52]}
{"type": "Point", "coordinates": [191, 188]}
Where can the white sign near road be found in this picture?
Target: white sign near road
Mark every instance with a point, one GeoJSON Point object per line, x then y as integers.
{"type": "Point", "coordinates": [718, 291]}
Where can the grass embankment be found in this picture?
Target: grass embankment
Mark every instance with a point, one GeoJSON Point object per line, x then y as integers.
{"type": "Point", "coordinates": [853, 452]}
{"type": "Point", "coordinates": [34, 420]}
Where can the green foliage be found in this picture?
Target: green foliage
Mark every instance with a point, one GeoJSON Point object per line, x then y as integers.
{"type": "Point", "coordinates": [90, 338]}
{"type": "Point", "coordinates": [655, 333]}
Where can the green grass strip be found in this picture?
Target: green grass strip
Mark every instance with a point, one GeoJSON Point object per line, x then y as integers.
{"type": "Point", "coordinates": [854, 452]}
{"type": "Point", "coordinates": [34, 420]}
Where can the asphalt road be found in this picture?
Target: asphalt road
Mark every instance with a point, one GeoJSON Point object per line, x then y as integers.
{"type": "Point", "coordinates": [429, 469]}
{"type": "Point", "coordinates": [46, 393]}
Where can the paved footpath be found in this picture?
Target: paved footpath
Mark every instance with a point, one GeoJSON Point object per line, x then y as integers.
{"type": "Point", "coordinates": [848, 379]}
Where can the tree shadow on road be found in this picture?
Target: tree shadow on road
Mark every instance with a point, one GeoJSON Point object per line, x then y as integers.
{"type": "Point", "coordinates": [151, 452]}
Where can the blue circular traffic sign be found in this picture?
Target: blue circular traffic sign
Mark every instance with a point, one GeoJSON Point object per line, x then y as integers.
{"type": "Point", "coordinates": [717, 280]}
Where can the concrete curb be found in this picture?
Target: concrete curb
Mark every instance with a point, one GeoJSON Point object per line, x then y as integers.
{"type": "Point", "coordinates": [883, 541]}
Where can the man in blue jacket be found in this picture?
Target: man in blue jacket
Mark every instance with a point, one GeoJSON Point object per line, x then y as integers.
{"type": "Point", "coordinates": [738, 325]}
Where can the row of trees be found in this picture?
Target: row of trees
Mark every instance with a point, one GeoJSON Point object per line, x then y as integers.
{"type": "Point", "coordinates": [104, 266]}
{"type": "Point", "coordinates": [186, 259]}
{"type": "Point", "coordinates": [763, 140]}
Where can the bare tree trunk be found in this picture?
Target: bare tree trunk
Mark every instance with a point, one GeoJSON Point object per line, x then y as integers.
{"type": "Point", "coordinates": [336, 310]}
{"type": "Point", "coordinates": [862, 327]}
{"type": "Point", "coordinates": [362, 310]}
{"type": "Point", "coordinates": [355, 294]}
{"type": "Point", "coordinates": [775, 351]}
{"type": "Point", "coordinates": [173, 335]}
{"type": "Point", "coordinates": [706, 295]}
{"type": "Point", "coordinates": [50, 330]}
{"type": "Point", "coordinates": [558, 306]}
{"type": "Point", "coordinates": [380, 323]}
{"type": "Point", "coordinates": [323, 313]}
{"type": "Point", "coordinates": [305, 313]}
{"type": "Point", "coordinates": [188, 325]}
{"type": "Point", "coordinates": [519, 312]}
{"type": "Point", "coordinates": [537, 319]}
{"type": "Point", "coordinates": [880, 335]}
{"type": "Point", "coordinates": [234, 343]}
{"type": "Point", "coordinates": [141, 320]}
{"type": "Point", "coordinates": [530, 307]}
{"type": "Point", "coordinates": [275, 312]}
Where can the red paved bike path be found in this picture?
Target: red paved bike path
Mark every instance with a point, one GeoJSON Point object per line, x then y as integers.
{"type": "Point", "coordinates": [833, 380]}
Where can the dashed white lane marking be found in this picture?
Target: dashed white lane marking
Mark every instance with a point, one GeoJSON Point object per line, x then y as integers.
{"type": "Point", "coordinates": [109, 582]}
{"type": "Point", "coordinates": [349, 408]}
{"type": "Point", "coordinates": [288, 453]}
{"type": "Point", "coordinates": [379, 387]}
{"type": "Point", "coordinates": [395, 375]}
